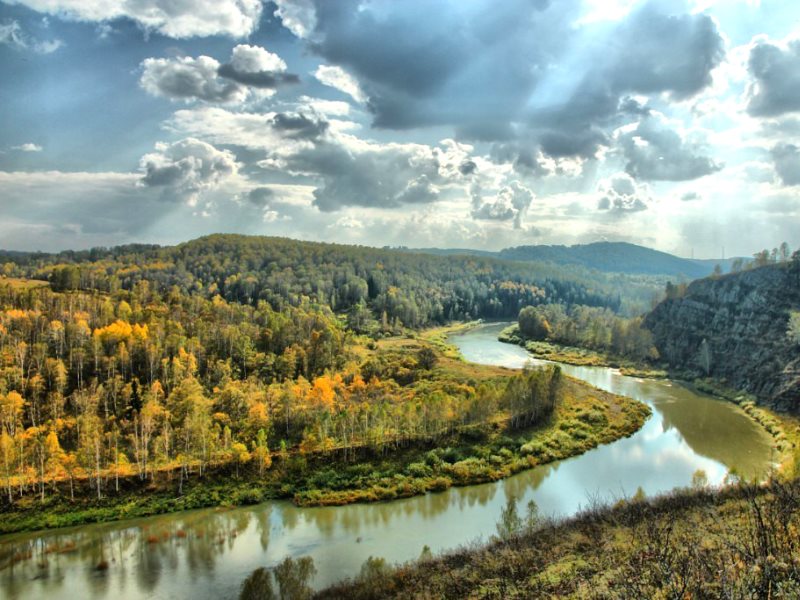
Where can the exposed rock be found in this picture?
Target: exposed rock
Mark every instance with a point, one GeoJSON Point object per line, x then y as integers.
{"type": "Point", "coordinates": [743, 319]}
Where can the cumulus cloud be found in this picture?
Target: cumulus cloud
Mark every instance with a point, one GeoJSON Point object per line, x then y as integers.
{"type": "Point", "coordinates": [656, 152]}
{"type": "Point", "coordinates": [12, 35]}
{"type": "Point", "coordinates": [540, 75]}
{"type": "Point", "coordinates": [338, 78]}
{"type": "Point", "coordinates": [346, 170]}
{"type": "Point", "coordinates": [257, 67]}
{"type": "Point", "coordinates": [189, 79]}
{"type": "Point", "coordinates": [186, 168]}
{"type": "Point", "coordinates": [204, 78]}
{"type": "Point", "coordinates": [691, 196]}
{"type": "Point", "coordinates": [787, 163]}
{"type": "Point", "coordinates": [775, 69]}
{"type": "Point", "coordinates": [510, 204]}
{"type": "Point", "coordinates": [181, 19]}
{"type": "Point", "coordinates": [365, 173]}
{"type": "Point", "coordinates": [621, 194]}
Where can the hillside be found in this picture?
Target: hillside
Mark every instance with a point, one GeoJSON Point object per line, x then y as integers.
{"type": "Point", "coordinates": [610, 257]}
{"type": "Point", "coordinates": [734, 328]}
{"type": "Point", "coordinates": [737, 542]}
{"type": "Point", "coordinates": [414, 289]}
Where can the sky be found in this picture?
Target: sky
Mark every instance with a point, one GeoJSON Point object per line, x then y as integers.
{"type": "Point", "coordinates": [673, 124]}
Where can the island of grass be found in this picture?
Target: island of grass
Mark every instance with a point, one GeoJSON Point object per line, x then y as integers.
{"type": "Point", "coordinates": [492, 422]}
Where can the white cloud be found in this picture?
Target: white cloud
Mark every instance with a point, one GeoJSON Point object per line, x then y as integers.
{"type": "Point", "coordinates": [173, 18]}
{"type": "Point", "coordinates": [255, 59]}
{"type": "Point", "coordinates": [186, 168]}
{"type": "Point", "coordinates": [28, 147]}
{"type": "Point", "coordinates": [12, 35]}
{"type": "Point", "coordinates": [338, 78]}
{"type": "Point", "coordinates": [298, 16]}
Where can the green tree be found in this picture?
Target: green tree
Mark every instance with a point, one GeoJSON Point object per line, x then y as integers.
{"type": "Point", "coordinates": [532, 325]}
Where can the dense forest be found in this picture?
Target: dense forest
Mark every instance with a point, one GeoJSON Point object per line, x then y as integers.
{"type": "Point", "coordinates": [95, 387]}
{"type": "Point", "coordinates": [379, 288]}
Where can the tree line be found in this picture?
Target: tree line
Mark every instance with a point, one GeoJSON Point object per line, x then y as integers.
{"type": "Point", "coordinates": [588, 327]}
{"type": "Point", "coordinates": [394, 288]}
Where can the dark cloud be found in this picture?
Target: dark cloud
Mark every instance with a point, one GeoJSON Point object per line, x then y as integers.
{"type": "Point", "coordinates": [655, 152]}
{"type": "Point", "coordinates": [260, 197]}
{"type": "Point", "coordinates": [776, 72]}
{"type": "Point", "coordinates": [658, 52]}
{"type": "Point", "coordinates": [787, 163]}
{"type": "Point", "coordinates": [263, 79]}
{"type": "Point", "coordinates": [468, 167]}
{"type": "Point", "coordinates": [631, 106]}
{"type": "Point", "coordinates": [690, 196]}
{"type": "Point", "coordinates": [298, 126]}
{"type": "Point", "coordinates": [532, 66]}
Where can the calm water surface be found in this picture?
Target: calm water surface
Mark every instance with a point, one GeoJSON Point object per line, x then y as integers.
{"type": "Point", "coordinates": [206, 554]}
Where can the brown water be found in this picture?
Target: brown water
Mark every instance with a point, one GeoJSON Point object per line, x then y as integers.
{"type": "Point", "coordinates": [206, 554]}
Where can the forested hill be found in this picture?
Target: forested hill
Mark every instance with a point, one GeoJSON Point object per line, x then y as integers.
{"type": "Point", "coordinates": [615, 257]}
{"type": "Point", "coordinates": [742, 328]}
{"type": "Point", "coordinates": [370, 284]}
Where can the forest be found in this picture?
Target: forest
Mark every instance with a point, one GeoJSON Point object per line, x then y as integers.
{"type": "Point", "coordinates": [380, 288]}
{"type": "Point", "coordinates": [98, 388]}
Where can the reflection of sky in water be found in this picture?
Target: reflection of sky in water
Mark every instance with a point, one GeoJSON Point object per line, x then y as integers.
{"type": "Point", "coordinates": [222, 547]}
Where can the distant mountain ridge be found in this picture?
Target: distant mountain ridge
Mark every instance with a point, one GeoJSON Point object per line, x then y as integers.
{"type": "Point", "coordinates": [613, 257]}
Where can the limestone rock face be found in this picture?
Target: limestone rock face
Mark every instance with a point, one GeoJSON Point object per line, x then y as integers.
{"type": "Point", "coordinates": [734, 328]}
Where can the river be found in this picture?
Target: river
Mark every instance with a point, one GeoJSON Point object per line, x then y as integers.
{"type": "Point", "coordinates": [206, 554]}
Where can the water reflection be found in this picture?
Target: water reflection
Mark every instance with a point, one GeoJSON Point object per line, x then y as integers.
{"type": "Point", "coordinates": [209, 553]}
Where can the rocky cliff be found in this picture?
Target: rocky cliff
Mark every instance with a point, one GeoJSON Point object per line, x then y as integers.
{"type": "Point", "coordinates": [734, 328]}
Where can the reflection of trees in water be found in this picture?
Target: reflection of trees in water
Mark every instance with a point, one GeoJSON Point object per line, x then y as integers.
{"type": "Point", "coordinates": [291, 579]}
{"type": "Point", "coordinates": [528, 480]}
{"type": "Point", "coordinates": [716, 430]}
{"type": "Point", "coordinates": [355, 519]}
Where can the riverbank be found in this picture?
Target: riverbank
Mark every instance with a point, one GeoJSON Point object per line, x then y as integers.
{"type": "Point", "coordinates": [784, 429]}
{"type": "Point", "coordinates": [738, 541]}
{"type": "Point", "coordinates": [584, 418]}
{"type": "Point", "coordinates": [580, 357]}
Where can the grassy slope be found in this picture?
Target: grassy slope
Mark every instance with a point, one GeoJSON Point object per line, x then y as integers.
{"type": "Point", "coordinates": [740, 542]}
{"type": "Point", "coordinates": [586, 418]}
